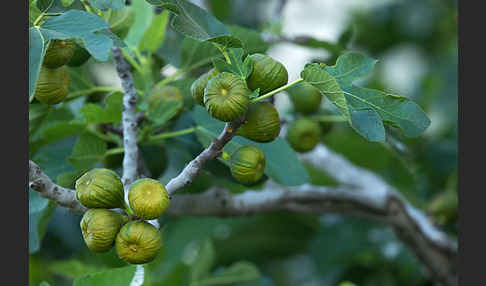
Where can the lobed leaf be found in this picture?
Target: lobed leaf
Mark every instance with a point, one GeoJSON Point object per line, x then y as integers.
{"type": "Point", "coordinates": [117, 276]}
{"type": "Point", "coordinates": [88, 150]}
{"type": "Point", "coordinates": [192, 21]}
{"type": "Point", "coordinates": [94, 113]}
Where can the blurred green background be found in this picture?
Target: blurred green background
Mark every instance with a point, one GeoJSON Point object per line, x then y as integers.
{"type": "Point", "coordinates": [416, 43]}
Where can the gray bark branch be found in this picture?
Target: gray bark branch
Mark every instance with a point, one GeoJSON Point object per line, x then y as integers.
{"type": "Point", "coordinates": [190, 172]}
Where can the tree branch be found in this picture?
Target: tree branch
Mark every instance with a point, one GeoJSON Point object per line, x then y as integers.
{"type": "Point", "coordinates": [129, 120]}
{"type": "Point", "coordinates": [361, 193]}
{"type": "Point", "coordinates": [40, 182]}
{"type": "Point", "coordinates": [191, 171]}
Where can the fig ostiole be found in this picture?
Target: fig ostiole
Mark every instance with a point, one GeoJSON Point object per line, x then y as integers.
{"type": "Point", "coordinates": [138, 242]}
{"type": "Point", "coordinates": [148, 198]}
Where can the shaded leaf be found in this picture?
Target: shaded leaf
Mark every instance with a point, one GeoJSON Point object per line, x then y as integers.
{"type": "Point", "coordinates": [87, 151]}
{"type": "Point", "coordinates": [73, 268]}
{"type": "Point", "coordinates": [117, 276]}
{"type": "Point", "coordinates": [236, 273]}
{"type": "Point", "coordinates": [40, 211]}
{"type": "Point", "coordinates": [82, 25]}
{"type": "Point", "coordinates": [201, 267]}
{"type": "Point", "coordinates": [112, 113]}
{"type": "Point", "coordinates": [164, 111]}
{"type": "Point", "coordinates": [251, 39]}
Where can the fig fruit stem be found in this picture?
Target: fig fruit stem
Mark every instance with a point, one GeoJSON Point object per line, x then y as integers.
{"type": "Point", "coordinates": [268, 94]}
{"type": "Point", "coordinates": [224, 52]}
{"type": "Point", "coordinates": [165, 135]}
{"type": "Point", "coordinates": [114, 151]}
{"type": "Point", "coordinates": [133, 62]}
{"type": "Point", "coordinates": [129, 211]}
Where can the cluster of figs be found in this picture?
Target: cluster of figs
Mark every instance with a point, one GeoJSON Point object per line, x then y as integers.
{"type": "Point", "coordinates": [136, 241]}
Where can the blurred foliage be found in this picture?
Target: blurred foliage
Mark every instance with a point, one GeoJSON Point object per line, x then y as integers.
{"type": "Point", "coordinates": [287, 249]}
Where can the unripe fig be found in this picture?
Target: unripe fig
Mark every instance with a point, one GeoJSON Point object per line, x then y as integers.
{"type": "Point", "coordinates": [262, 123]}
{"type": "Point", "coordinates": [52, 85]}
{"type": "Point", "coordinates": [268, 74]}
{"type": "Point", "coordinates": [247, 164]}
{"type": "Point", "coordinates": [100, 228]}
{"type": "Point", "coordinates": [120, 20]}
{"type": "Point", "coordinates": [303, 134]}
{"type": "Point", "coordinates": [305, 98]}
{"type": "Point", "coordinates": [148, 198]}
{"type": "Point", "coordinates": [138, 242]}
{"type": "Point", "coordinates": [198, 86]}
{"type": "Point", "coordinates": [100, 188]}
{"type": "Point", "coordinates": [226, 97]}
{"type": "Point", "coordinates": [58, 54]}
{"type": "Point", "coordinates": [81, 55]}
{"type": "Point", "coordinates": [166, 93]}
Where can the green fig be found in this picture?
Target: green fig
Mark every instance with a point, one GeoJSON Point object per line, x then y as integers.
{"type": "Point", "coordinates": [247, 164]}
{"type": "Point", "coordinates": [261, 124]}
{"type": "Point", "coordinates": [165, 93]}
{"type": "Point", "coordinates": [198, 86]}
{"type": "Point", "coordinates": [138, 242]}
{"type": "Point", "coordinates": [305, 98]}
{"type": "Point", "coordinates": [100, 188]}
{"type": "Point", "coordinates": [52, 85]}
{"type": "Point", "coordinates": [226, 97]}
{"type": "Point", "coordinates": [58, 54]}
{"type": "Point", "coordinates": [303, 134]}
{"type": "Point", "coordinates": [100, 228]}
{"type": "Point", "coordinates": [148, 198]}
{"type": "Point", "coordinates": [268, 74]}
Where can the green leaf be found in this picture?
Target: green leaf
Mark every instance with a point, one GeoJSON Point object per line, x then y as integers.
{"type": "Point", "coordinates": [251, 39]}
{"type": "Point", "coordinates": [316, 75]}
{"type": "Point", "coordinates": [67, 179]}
{"type": "Point", "coordinates": [108, 4]}
{"type": "Point", "coordinates": [238, 272]}
{"type": "Point", "coordinates": [67, 3]}
{"type": "Point", "coordinates": [112, 113]}
{"type": "Point", "coordinates": [82, 25]}
{"type": "Point", "coordinates": [37, 113]}
{"type": "Point", "coordinates": [73, 268]}
{"type": "Point", "coordinates": [194, 52]}
{"type": "Point", "coordinates": [368, 124]}
{"type": "Point", "coordinates": [164, 111]}
{"type": "Point", "coordinates": [237, 66]}
{"type": "Point", "coordinates": [205, 260]}
{"type": "Point", "coordinates": [278, 153]}
{"type": "Point", "coordinates": [194, 22]}
{"type": "Point", "coordinates": [44, 283]}
{"type": "Point", "coordinates": [118, 276]}
{"type": "Point", "coordinates": [349, 67]}
{"type": "Point", "coordinates": [143, 17]}
{"type": "Point", "coordinates": [40, 211]}
{"type": "Point", "coordinates": [397, 111]}
{"type": "Point", "coordinates": [37, 49]}
{"type": "Point", "coordinates": [87, 151]}
{"type": "Point", "coordinates": [153, 37]}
